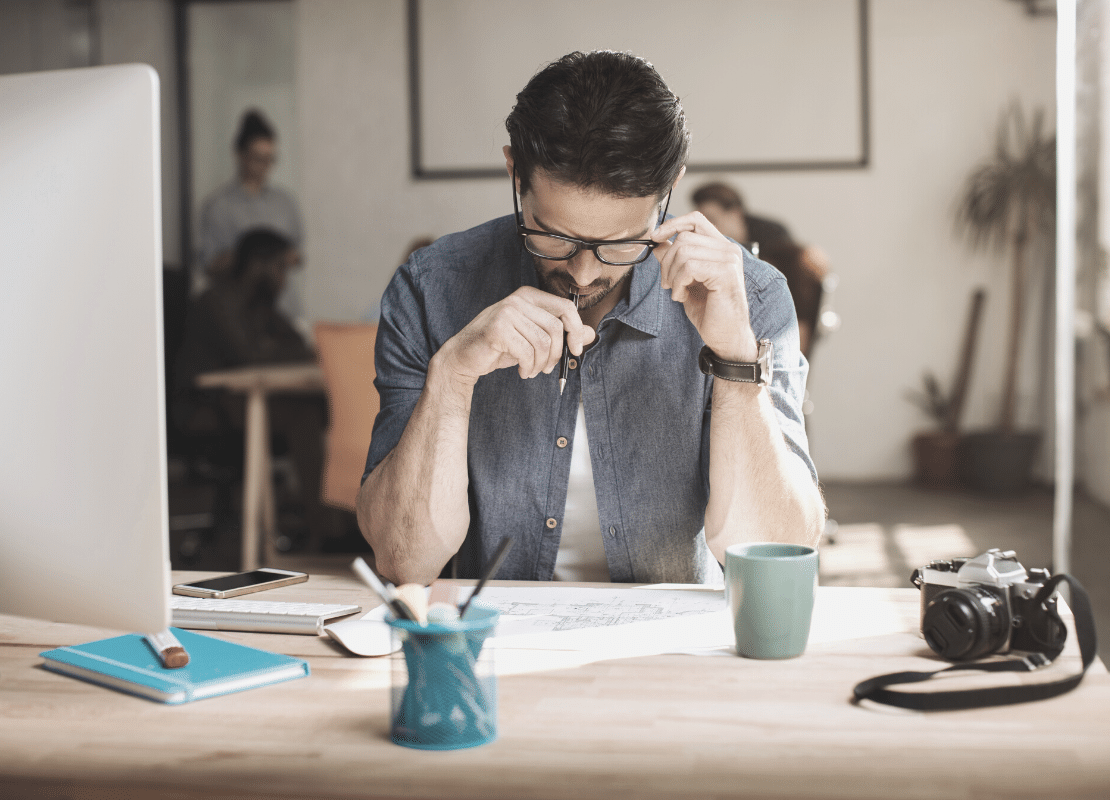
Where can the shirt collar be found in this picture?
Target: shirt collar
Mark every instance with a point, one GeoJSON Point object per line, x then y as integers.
{"type": "Point", "coordinates": [643, 309]}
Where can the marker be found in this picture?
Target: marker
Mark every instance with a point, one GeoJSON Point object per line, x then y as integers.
{"type": "Point", "coordinates": [564, 362]}
{"type": "Point", "coordinates": [169, 650]}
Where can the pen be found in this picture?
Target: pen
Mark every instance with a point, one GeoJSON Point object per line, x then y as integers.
{"type": "Point", "coordinates": [398, 606]}
{"type": "Point", "coordinates": [491, 568]}
{"type": "Point", "coordinates": [564, 362]}
{"type": "Point", "coordinates": [169, 650]}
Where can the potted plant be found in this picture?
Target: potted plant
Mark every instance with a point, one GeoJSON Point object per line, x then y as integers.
{"type": "Point", "coordinates": [938, 454]}
{"type": "Point", "coordinates": [1009, 204]}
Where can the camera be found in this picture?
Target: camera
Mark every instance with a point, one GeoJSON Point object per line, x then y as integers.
{"type": "Point", "coordinates": [975, 607]}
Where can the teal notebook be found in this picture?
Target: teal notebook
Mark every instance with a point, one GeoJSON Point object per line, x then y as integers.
{"type": "Point", "coordinates": [215, 667]}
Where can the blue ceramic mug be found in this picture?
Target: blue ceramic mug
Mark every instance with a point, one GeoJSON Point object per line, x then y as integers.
{"type": "Point", "coordinates": [770, 589]}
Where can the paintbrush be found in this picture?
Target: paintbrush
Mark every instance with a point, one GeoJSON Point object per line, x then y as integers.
{"type": "Point", "coordinates": [491, 568]}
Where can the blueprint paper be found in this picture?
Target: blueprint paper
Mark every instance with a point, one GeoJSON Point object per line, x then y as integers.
{"type": "Point", "coordinates": [615, 622]}
{"type": "Point", "coordinates": [568, 608]}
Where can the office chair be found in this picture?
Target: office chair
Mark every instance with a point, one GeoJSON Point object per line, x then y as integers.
{"type": "Point", "coordinates": [346, 355]}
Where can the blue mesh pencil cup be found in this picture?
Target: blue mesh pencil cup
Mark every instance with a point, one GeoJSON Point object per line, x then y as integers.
{"type": "Point", "coordinates": [443, 686]}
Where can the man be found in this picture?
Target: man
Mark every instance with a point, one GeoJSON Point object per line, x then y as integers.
{"type": "Point", "coordinates": [724, 208]}
{"type": "Point", "coordinates": [804, 268]}
{"type": "Point", "coordinates": [235, 322]}
{"type": "Point", "coordinates": [247, 202]}
{"type": "Point", "coordinates": [474, 440]}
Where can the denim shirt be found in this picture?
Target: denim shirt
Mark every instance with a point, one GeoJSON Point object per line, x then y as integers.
{"type": "Point", "coordinates": [647, 409]}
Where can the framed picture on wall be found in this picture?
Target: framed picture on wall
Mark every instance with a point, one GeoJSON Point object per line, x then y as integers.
{"type": "Point", "coordinates": [765, 84]}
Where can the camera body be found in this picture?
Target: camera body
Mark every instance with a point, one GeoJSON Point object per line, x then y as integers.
{"type": "Point", "coordinates": [975, 607]}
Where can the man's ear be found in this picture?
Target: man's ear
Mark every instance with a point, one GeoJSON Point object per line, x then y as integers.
{"type": "Point", "coordinates": [681, 172]}
{"type": "Point", "coordinates": [508, 151]}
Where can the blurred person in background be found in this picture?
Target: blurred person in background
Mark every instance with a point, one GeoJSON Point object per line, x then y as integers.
{"type": "Point", "coordinates": [724, 208]}
{"type": "Point", "coordinates": [805, 268]}
{"type": "Point", "coordinates": [249, 201]}
{"type": "Point", "coordinates": [236, 322]}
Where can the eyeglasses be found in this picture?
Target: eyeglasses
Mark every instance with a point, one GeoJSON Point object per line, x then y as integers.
{"type": "Point", "coordinates": [555, 247]}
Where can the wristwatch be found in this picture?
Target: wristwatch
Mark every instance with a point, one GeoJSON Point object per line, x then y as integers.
{"type": "Point", "coordinates": [759, 371]}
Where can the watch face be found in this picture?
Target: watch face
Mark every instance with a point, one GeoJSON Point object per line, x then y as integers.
{"type": "Point", "coordinates": [704, 364]}
{"type": "Point", "coordinates": [766, 361]}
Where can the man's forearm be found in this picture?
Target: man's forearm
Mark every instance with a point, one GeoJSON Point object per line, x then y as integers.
{"type": "Point", "coordinates": [413, 508]}
{"type": "Point", "coordinates": [759, 490]}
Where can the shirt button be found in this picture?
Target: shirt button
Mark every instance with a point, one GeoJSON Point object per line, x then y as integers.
{"type": "Point", "coordinates": [612, 531]}
{"type": "Point", "coordinates": [572, 363]}
{"type": "Point", "coordinates": [552, 522]}
{"type": "Point", "coordinates": [561, 441]}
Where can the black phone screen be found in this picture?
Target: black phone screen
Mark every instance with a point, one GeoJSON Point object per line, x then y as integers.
{"type": "Point", "coordinates": [227, 582]}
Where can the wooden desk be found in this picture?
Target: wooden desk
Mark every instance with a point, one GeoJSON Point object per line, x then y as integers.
{"type": "Point", "coordinates": [668, 726]}
{"type": "Point", "coordinates": [256, 382]}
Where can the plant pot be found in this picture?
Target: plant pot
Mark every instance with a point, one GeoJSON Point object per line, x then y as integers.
{"type": "Point", "coordinates": [936, 459]}
{"type": "Point", "coordinates": [997, 462]}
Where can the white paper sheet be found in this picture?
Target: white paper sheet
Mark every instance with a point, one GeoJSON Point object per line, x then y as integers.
{"type": "Point", "coordinates": [569, 608]}
{"type": "Point", "coordinates": [666, 618]}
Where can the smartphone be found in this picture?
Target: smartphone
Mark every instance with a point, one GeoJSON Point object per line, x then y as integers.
{"type": "Point", "coordinates": [240, 583]}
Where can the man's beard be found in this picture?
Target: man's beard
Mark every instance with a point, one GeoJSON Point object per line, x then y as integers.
{"type": "Point", "coordinates": [557, 281]}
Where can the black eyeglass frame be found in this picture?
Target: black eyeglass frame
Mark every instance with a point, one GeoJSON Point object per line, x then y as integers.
{"type": "Point", "coordinates": [580, 243]}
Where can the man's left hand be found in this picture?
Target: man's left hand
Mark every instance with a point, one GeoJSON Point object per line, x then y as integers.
{"type": "Point", "coordinates": [705, 272]}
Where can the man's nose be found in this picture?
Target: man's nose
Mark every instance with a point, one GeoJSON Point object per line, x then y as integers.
{"type": "Point", "coordinates": [585, 268]}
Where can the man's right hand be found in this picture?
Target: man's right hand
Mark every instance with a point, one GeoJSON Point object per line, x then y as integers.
{"type": "Point", "coordinates": [524, 330]}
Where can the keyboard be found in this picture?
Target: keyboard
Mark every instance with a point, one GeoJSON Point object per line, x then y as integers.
{"type": "Point", "coordinates": [262, 616]}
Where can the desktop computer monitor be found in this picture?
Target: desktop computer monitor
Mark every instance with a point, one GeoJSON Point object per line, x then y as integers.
{"type": "Point", "coordinates": [83, 506]}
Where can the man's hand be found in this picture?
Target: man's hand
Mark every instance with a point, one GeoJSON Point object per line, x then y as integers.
{"type": "Point", "coordinates": [523, 330]}
{"type": "Point", "coordinates": [705, 272]}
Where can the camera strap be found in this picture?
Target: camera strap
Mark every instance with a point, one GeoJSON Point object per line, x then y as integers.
{"type": "Point", "coordinates": [875, 688]}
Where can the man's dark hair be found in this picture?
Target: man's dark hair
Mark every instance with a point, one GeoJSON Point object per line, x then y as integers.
{"type": "Point", "coordinates": [720, 193]}
{"type": "Point", "coordinates": [255, 244]}
{"type": "Point", "coordinates": [600, 120]}
{"type": "Point", "coordinates": [253, 126]}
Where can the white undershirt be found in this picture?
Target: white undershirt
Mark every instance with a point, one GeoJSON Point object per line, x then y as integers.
{"type": "Point", "coordinates": [581, 551]}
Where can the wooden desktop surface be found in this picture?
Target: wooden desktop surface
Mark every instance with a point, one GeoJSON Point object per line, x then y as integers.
{"type": "Point", "coordinates": [664, 726]}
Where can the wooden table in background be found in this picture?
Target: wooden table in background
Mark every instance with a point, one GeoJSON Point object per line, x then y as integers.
{"type": "Point", "coordinates": [664, 726]}
{"type": "Point", "coordinates": [257, 382]}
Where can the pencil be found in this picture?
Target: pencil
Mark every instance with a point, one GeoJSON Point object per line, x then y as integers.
{"type": "Point", "coordinates": [169, 650]}
{"type": "Point", "coordinates": [564, 362]}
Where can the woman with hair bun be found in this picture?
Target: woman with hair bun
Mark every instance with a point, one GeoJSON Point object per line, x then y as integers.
{"type": "Point", "coordinates": [246, 202]}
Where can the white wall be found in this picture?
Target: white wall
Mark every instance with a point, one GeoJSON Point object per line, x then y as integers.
{"type": "Point", "coordinates": [141, 31]}
{"type": "Point", "coordinates": [241, 57]}
{"type": "Point", "coordinates": [941, 72]}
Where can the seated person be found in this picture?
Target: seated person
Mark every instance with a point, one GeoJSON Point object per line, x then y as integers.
{"type": "Point", "coordinates": [235, 322]}
{"type": "Point", "coordinates": [805, 269]}
{"type": "Point", "coordinates": [724, 208]}
{"type": "Point", "coordinates": [684, 450]}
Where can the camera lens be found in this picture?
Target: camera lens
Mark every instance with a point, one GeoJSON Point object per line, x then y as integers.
{"type": "Point", "coordinates": [964, 624]}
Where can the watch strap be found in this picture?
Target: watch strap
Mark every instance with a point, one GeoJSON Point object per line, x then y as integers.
{"type": "Point", "coordinates": [739, 371]}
